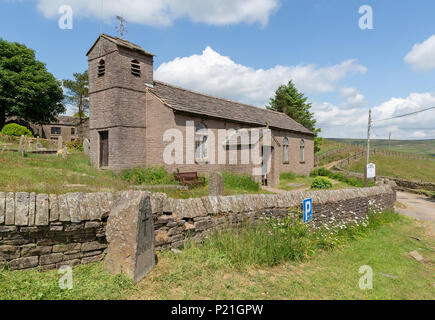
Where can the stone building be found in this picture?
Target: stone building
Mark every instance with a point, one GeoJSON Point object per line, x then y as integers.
{"type": "Point", "coordinates": [66, 127]}
{"type": "Point", "coordinates": [130, 113]}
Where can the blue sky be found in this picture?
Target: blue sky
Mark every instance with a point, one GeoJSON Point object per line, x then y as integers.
{"type": "Point", "coordinates": [242, 50]}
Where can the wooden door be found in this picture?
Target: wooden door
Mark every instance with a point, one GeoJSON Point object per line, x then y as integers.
{"type": "Point", "coordinates": [104, 148]}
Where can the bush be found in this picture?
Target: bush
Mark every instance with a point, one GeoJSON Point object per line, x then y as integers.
{"type": "Point", "coordinates": [148, 176]}
{"type": "Point", "coordinates": [321, 172]}
{"type": "Point", "coordinates": [239, 182]}
{"type": "Point", "coordinates": [321, 183]}
{"type": "Point", "coordinates": [352, 181]}
{"type": "Point", "coordinates": [75, 145]}
{"type": "Point", "coordinates": [14, 129]}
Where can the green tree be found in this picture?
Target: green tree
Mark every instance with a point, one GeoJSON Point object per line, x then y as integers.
{"type": "Point", "coordinates": [293, 103]}
{"type": "Point", "coordinates": [77, 93]}
{"type": "Point", "coordinates": [27, 89]}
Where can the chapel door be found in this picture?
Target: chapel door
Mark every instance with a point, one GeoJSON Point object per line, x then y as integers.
{"type": "Point", "coordinates": [104, 149]}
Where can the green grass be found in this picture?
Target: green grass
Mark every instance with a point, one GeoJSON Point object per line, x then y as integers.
{"type": "Point", "coordinates": [51, 174]}
{"type": "Point", "coordinates": [292, 182]}
{"type": "Point", "coordinates": [234, 184]}
{"type": "Point", "coordinates": [410, 169]}
{"type": "Point", "coordinates": [228, 270]}
{"type": "Point", "coordinates": [149, 176]}
{"type": "Point", "coordinates": [89, 282]}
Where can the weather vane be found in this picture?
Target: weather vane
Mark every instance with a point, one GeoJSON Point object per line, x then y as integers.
{"type": "Point", "coordinates": [121, 29]}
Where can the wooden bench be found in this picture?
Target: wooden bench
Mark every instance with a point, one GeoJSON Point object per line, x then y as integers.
{"type": "Point", "coordinates": [189, 179]}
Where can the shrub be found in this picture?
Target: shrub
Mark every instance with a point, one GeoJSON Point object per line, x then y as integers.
{"type": "Point", "coordinates": [239, 182]}
{"type": "Point", "coordinates": [75, 145]}
{"type": "Point", "coordinates": [149, 176]}
{"type": "Point", "coordinates": [14, 129]}
{"type": "Point", "coordinates": [352, 181]}
{"type": "Point", "coordinates": [321, 183]}
{"type": "Point", "coordinates": [321, 172]}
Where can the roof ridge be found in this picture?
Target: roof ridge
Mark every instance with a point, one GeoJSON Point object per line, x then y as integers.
{"type": "Point", "coordinates": [223, 99]}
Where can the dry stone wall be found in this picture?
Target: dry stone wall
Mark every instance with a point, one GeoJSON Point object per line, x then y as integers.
{"type": "Point", "coordinates": [40, 231]}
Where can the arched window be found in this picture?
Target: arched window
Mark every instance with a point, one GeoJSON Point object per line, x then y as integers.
{"type": "Point", "coordinates": [285, 150]}
{"type": "Point", "coordinates": [201, 145]}
{"type": "Point", "coordinates": [101, 68]}
{"type": "Point", "coordinates": [302, 151]}
{"type": "Point", "coordinates": [135, 68]}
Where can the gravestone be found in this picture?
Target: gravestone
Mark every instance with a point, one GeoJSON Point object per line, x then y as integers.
{"type": "Point", "coordinates": [86, 146]}
{"type": "Point", "coordinates": [215, 184]}
{"type": "Point", "coordinates": [59, 143]}
{"type": "Point", "coordinates": [130, 233]}
{"type": "Point", "coordinates": [64, 152]}
{"type": "Point", "coordinates": [38, 145]}
{"type": "Point", "coordinates": [21, 146]}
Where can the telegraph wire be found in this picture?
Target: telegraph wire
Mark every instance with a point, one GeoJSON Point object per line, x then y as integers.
{"type": "Point", "coordinates": [405, 115]}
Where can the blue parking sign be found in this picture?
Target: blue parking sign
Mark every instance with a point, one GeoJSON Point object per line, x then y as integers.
{"type": "Point", "coordinates": [308, 210]}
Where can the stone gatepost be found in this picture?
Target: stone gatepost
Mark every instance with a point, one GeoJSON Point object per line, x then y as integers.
{"type": "Point", "coordinates": [215, 184]}
{"type": "Point", "coordinates": [130, 233]}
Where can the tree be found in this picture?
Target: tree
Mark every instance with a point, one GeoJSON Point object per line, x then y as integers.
{"type": "Point", "coordinates": [294, 104]}
{"type": "Point", "coordinates": [77, 93]}
{"type": "Point", "coordinates": [27, 89]}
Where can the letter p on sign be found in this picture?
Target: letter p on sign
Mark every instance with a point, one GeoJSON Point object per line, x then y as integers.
{"type": "Point", "coordinates": [308, 210]}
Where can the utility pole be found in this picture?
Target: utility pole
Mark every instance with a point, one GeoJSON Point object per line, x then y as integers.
{"type": "Point", "coordinates": [368, 148]}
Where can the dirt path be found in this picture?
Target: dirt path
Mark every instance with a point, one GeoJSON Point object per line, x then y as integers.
{"type": "Point", "coordinates": [417, 206]}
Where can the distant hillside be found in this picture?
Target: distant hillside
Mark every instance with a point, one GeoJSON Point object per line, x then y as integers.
{"type": "Point", "coordinates": [423, 147]}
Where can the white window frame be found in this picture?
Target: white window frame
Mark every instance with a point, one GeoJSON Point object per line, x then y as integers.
{"type": "Point", "coordinates": [201, 143]}
{"type": "Point", "coordinates": [285, 151]}
{"type": "Point", "coordinates": [302, 151]}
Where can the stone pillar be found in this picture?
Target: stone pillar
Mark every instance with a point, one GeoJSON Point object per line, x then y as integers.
{"type": "Point", "coordinates": [215, 184]}
{"type": "Point", "coordinates": [130, 233]}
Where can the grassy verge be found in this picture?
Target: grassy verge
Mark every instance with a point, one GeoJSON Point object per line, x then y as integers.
{"type": "Point", "coordinates": [234, 184]}
{"type": "Point", "coordinates": [396, 167]}
{"type": "Point", "coordinates": [226, 269]}
{"type": "Point", "coordinates": [51, 174]}
{"type": "Point", "coordinates": [291, 182]}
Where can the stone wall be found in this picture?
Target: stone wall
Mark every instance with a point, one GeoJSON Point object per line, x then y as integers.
{"type": "Point", "coordinates": [177, 219]}
{"type": "Point", "coordinates": [47, 231]}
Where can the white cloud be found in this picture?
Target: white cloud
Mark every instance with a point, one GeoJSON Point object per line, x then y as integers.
{"type": "Point", "coordinates": [353, 98]}
{"type": "Point", "coordinates": [165, 12]}
{"type": "Point", "coordinates": [419, 134]}
{"type": "Point", "coordinates": [422, 55]}
{"type": "Point", "coordinates": [212, 73]}
{"type": "Point", "coordinates": [341, 122]}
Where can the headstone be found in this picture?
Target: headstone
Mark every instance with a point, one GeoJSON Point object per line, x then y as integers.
{"type": "Point", "coordinates": [59, 143]}
{"type": "Point", "coordinates": [21, 146]}
{"type": "Point", "coordinates": [130, 233]}
{"type": "Point", "coordinates": [38, 145]}
{"type": "Point", "coordinates": [86, 146]}
{"type": "Point", "coordinates": [64, 152]}
{"type": "Point", "coordinates": [215, 184]}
